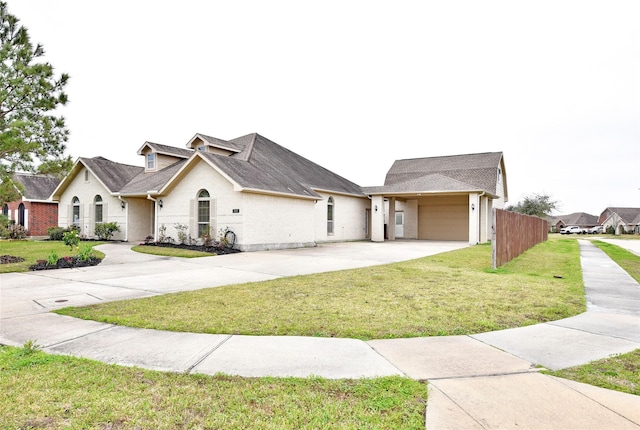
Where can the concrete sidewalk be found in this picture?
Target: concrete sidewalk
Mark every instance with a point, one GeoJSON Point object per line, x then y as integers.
{"type": "Point", "coordinates": [484, 381]}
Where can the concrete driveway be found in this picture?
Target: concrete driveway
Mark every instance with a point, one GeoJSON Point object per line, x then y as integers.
{"type": "Point", "coordinates": [125, 274]}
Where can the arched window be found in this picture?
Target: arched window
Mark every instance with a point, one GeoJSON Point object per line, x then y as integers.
{"type": "Point", "coordinates": [21, 214]}
{"type": "Point", "coordinates": [5, 210]}
{"type": "Point", "coordinates": [330, 215]}
{"type": "Point", "coordinates": [98, 207]}
{"type": "Point", "coordinates": [76, 210]}
{"type": "Point", "coordinates": [204, 213]}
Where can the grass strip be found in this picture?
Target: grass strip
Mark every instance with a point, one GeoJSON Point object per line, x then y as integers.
{"type": "Point", "coordinates": [32, 251]}
{"type": "Point", "coordinates": [452, 293]}
{"type": "Point", "coordinates": [629, 261]}
{"type": "Point", "coordinates": [171, 252]}
{"type": "Point", "coordinates": [619, 372]}
{"type": "Point", "coordinates": [50, 392]}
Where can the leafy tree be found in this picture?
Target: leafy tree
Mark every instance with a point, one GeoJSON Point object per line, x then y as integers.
{"type": "Point", "coordinates": [539, 205]}
{"type": "Point", "coordinates": [32, 138]}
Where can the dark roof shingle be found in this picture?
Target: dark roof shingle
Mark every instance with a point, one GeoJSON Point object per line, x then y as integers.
{"type": "Point", "coordinates": [113, 175]}
{"type": "Point", "coordinates": [265, 165]}
{"type": "Point", "coordinates": [476, 171]}
{"type": "Point", "coordinates": [36, 187]}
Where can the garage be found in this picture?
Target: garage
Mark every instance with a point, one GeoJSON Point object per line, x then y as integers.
{"type": "Point", "coordinates": [443, 218]}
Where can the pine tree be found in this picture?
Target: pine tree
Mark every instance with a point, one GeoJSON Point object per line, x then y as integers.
{"type": "Point", "coordinates": [32, 137]}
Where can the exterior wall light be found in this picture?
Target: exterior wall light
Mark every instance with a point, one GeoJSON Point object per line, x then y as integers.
{"type": "Point", "coordinates": [375, 208]}
{"type": "Point", "coordinates": [123, 204]}
{"type": "Point", "coordinates": [473, 207]}
{"type": "Point", "coordinates": [160, 203]}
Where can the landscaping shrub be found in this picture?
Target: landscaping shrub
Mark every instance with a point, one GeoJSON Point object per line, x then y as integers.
{"type": "Point", "coordinates": [182, 232]}
{"type": "Point", "coordinates": [15, 231]}
{"type": "Point", "coordinates": [85, 253]}
{"type": "Point", "coordinates": [56, 233]}
{"type": "Point", "coordinates": [105, 230]}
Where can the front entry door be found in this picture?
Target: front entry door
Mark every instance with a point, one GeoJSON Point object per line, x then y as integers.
{"type": "Point", "coordinates": [399, 224]}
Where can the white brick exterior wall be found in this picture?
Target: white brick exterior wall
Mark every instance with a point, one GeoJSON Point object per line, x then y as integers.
{"type": "Point", "coordinates": [179, 205]}
{"type": "Point", "coordinates": [349, 215]}
{"type": "Point", "coordinates": [86, 192]}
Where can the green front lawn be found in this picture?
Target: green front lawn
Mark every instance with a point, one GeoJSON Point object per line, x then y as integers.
{"type": "Point", "coordinates": [620, 373]}
{"type": "Point", "coordinates": [32, 251]}
{"type": "Point", "coordinates": [629, 261]}
{"type": "Point", "coordinates": [53, 392]}
{"type": "Point", "coordinates": [170, 252]}
{"type": "Point", "coordinates": [447, 294]}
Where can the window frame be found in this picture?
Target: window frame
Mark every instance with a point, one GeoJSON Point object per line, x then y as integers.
{"type": "Point", "coordinates": [203, 219]}
{"type": "Point", "coordinates": [151, 160]}
{"type": "Point", "coordinates": [98, 204]}
{"type": "Point", "coordinates": [331, 212]}
{"type": "Point", "coordinates": [75, 204]}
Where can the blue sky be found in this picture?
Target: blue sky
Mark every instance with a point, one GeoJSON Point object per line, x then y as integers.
{"type": "Point", "coordinates": [354, 85]}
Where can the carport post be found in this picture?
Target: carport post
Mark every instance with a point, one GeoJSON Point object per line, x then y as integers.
{"type": "Point", "coordinates": [474, 219]}
{"type": "Point", "coordinates": [377, 218]}
{"type": "Point", "coordinates": [391, 225]}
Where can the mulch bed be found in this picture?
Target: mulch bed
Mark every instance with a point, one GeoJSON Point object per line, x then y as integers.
{"type": "Point", "coordinates": [212, 249]}
{"type": "Point", "coordinates": [66, 263]}
{"type": "Point", "coordinates": [8, 259]}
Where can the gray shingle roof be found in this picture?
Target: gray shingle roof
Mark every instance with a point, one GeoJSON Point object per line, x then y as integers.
{"type": "Point", "coordinates": [36, 187]}
{"type": "Point", "coordinates": [170, 150]}
{"type": "Point", "coordinates": [143, 182]}
{"type": "Point", "coordinates": [581, 219]}
{"type": "Point", "coordinates": [476, 171]}
{"type": "Point", "coordinates": [630, 216]}
{"type": "Point", "coordinates": [231, 145]}
{"type": "Point", "coordinates": [427, 183]}
{"type": "Point", "coordinates": [265, 165]}
{"type": "Point", "coordinates": [113, 175]}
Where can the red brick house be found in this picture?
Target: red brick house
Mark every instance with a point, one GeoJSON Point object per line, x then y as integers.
{"type": "Point", "coordinates": [34, 211]}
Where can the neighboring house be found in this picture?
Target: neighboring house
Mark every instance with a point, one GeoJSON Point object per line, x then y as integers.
{"type": "Point", "coordinates": [622, 220]}
{"type": "Point", "coordinates": [581, 219]}
{"type": "Point", "coordinates": [273, 198]}
{"type": "Point", "coordinates": [33, 211]}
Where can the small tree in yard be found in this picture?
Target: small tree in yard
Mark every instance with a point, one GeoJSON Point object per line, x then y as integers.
{"type": "Point", "coordinates": [31, 137]}
{"type": "Point", "coordinates": [539, 205]}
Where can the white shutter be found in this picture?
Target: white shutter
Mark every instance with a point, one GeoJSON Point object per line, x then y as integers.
{"type": "Point", "coordinates": [105, 211]}
{"type": "Point", "coordinates": [69, 215]}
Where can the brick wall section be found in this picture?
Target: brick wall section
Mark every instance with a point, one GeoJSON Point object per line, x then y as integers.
{"type": "Point", "coordinates": [40, 216]}
{"type": "Point", "coordinates": [513, 234]}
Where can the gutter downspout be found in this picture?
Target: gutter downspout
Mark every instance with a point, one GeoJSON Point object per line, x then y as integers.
{"type": "Point", "coordinates": [155, 218]}
{"type": "Point", "coordinates": [126, 219]}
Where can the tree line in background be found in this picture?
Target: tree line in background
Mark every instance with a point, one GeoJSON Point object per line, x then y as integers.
{"type": "Point", "coordinates": [539, 205]}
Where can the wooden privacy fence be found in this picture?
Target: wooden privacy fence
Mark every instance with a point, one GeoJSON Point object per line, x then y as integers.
{"type": "Point", "coordinates": [514, 233]}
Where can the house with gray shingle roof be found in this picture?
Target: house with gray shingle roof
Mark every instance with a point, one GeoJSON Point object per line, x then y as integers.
{"type": "Point", "coordinates": [271, 197]}
{"type": "Point", "coordinates": [622, 220]}
{"type": "Point", "coordinates": [33, 210]}
{"type": "Point", "coordinates": [580, 219]}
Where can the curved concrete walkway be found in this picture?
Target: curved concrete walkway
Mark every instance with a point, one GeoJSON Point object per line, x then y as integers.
{"type": "Point", "coordinates": [484, 381]}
